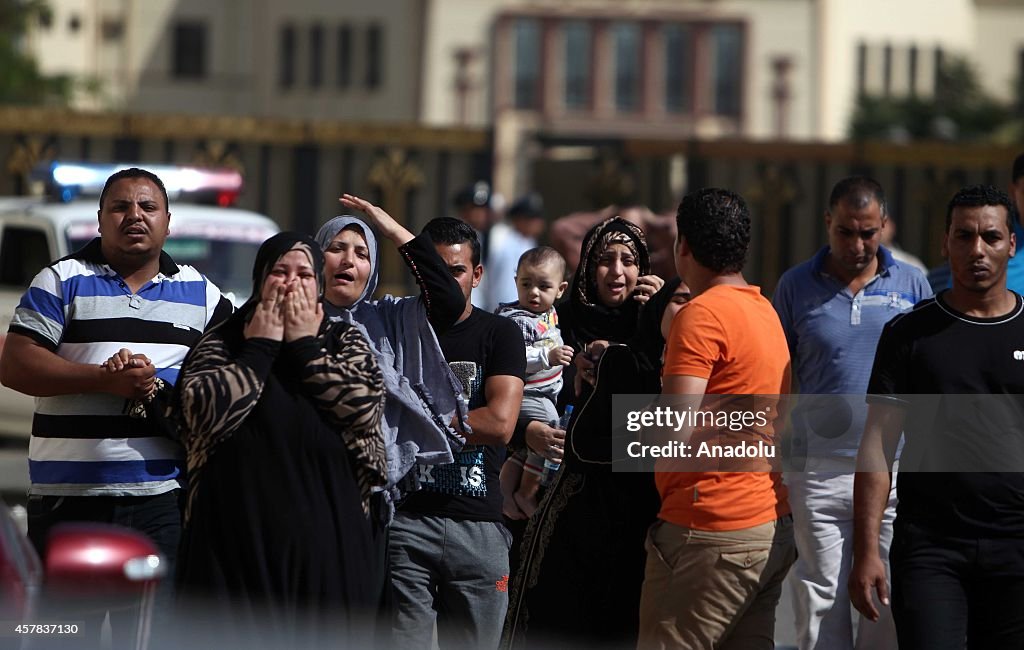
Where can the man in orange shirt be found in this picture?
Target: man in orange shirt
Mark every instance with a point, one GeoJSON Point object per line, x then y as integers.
{"type": "Point", "coordinates": [723, 542]}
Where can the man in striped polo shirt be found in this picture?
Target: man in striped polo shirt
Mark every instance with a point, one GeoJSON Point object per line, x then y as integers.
{"type": "Point", "coordinates": [98, 339]}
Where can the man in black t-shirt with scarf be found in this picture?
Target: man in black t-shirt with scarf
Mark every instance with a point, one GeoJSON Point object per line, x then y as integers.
{"type": "Point", "coordinates": [950, 376]}
{"type": "Point", "coordinates": [449, 546]}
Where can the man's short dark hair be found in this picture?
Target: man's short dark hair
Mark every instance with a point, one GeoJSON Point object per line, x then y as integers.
{"type": "Point", "coordinates": [135, 172]}
{"type": "Point", "coordinates": [542, 255]}
{"type": "Point", "coordinates": [977, 196]}
{"type": "Point", "coordinates": [857, 192]}
{"type": "Point", "coordinates": [1018, 168]}
{"type": "Point", "coordinates": [716, 225]}
{"type": "Point", "coordinates": [448, 231]}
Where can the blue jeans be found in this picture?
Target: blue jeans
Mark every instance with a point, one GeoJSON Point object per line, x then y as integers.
{"type": "Point", "coordinates": [451, 571]}
{"type": "Point", "coordinates": [157, 516]}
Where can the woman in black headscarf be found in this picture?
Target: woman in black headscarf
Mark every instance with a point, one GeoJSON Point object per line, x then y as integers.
{"type": "Point", "coordinates": [281, 413]}
{"type": "Point", "coordinates": [581, 561]}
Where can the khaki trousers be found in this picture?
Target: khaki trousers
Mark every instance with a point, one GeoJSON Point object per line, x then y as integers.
{"type": "Point", "coordinates": [707, 590]}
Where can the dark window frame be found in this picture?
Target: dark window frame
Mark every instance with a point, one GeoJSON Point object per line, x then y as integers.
{"type": "Point", "coordinates": [578, 86]}
{"type": "Point", "coordinates": [735, 110]}
{"type": "Point", "coordinates": [374, 77]}
{"type": "Point", "coordinates": [628, 89]}
{"type": "Point", "coordinates": [862, 68]}
{"type": "Point", "coordinates": [189, 48]}
{"type": "Point", "coordinates": [684, 81]}
{"type": "Point", "coordinates": [316, 55]}
{"type": "Point", "coordinates": [287, 43]}
{"type": "Point", "coordinates": [526, 89]}
{"type": "Point", "coordinates": [343, 56]}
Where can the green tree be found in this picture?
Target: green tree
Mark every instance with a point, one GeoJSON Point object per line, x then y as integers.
{"type": "Point", "coordinates": [21, 82]}
{"type": "Point", "coordinates": [958, 110]}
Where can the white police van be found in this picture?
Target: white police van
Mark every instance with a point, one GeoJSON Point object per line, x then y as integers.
{"type": "Point", "coordinates": [221, 242]}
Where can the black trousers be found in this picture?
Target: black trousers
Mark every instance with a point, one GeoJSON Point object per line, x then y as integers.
{"type": "Point", "coordinates": [955, 592]}
{"type": "Point", "coordinates": [158, 517]}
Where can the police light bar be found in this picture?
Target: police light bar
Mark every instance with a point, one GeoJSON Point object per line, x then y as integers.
{"type": "Point", "coordinates": [66, 181]}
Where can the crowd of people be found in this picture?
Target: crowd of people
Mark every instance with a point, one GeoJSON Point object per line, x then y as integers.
{"type": "Point", "coordinates": [326, 467]}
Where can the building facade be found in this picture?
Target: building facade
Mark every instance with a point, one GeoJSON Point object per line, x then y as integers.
{"type": "Point", "coordinates": [550, 79]}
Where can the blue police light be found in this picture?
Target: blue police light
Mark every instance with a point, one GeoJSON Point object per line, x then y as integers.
{"type": "Point", "coordinates": [66, 181]}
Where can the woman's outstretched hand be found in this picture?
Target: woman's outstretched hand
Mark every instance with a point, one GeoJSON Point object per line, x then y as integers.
{"type": "Point", "coordinates": [383, 221]}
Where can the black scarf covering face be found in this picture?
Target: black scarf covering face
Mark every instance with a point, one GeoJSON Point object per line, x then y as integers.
{"type": "Point", "coordinates": [585, 318]}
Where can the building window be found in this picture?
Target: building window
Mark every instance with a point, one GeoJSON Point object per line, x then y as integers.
{"type": "Point", "coordinates": [316, 56]}
{"type": "Point", "coordinates": [912, 65]}
{"type": "Point", "coordinates": [727, 49]}
{"type": "Point", "coordinates": [74, 23]}
{"type": "Point", "coordinates": [286, 57]}
{"type": "Point", "coordinates": [678, 68]}
{"type": "Point", "coordinates": [887, 70]}
{"type": "Point", "coordinates": [374, 54]}
{"type": "Point", "coordinates": [939, 77]}
{"type": "Point", "coordinates": [862, 68]}
{"type": "Point", "coordinates": [626, 39]}
{"type": "Point", "coordinates": [527, 76]}
{"type": "Point", "coordinates": [111, 29]}
{"type": "Point", "coordinates": [578, 64]}
{"type": "Point", "coordinates": [189, 50]}
{"type": "Point", "coordinates": [344, 70]}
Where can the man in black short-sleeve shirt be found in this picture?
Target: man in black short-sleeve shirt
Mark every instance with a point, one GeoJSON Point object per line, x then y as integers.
{"type": "Point", "coordinates": [448, 545]}
{"type": "Point", "coordinates": [957, 556]}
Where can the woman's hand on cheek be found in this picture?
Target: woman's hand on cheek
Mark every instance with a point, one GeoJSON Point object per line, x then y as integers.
{"type": "Point", "coordinates": [647, 286]}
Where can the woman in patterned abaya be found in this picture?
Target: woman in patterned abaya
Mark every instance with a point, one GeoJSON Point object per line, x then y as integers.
{"type": "Point", "coordinates": [281, 413]}
{"type": "Point", "coordinates": [582, 558]}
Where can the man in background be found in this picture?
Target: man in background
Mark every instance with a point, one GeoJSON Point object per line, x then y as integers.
{"type": "Point", "coordinates": [833, 307]}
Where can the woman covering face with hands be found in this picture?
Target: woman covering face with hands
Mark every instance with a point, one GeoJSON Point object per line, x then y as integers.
{"type": "Point", "coordinates": [281, 412]}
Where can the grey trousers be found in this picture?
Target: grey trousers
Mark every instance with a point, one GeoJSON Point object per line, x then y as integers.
{"type": "Point", "coordinates": [450, 571]}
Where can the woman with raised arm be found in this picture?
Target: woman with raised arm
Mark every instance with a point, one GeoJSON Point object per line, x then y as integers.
{"type": "Point", "coordinates": [281, 414]}
{"type": "Point", "coordinates": [424, 413]}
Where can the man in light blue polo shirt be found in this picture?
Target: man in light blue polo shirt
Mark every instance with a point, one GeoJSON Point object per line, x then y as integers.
{"type": "Point", "coordinates": [833, 308]}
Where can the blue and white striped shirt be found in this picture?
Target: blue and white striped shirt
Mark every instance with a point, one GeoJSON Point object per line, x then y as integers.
{"type": "Point", "coordinates": [80, 308]}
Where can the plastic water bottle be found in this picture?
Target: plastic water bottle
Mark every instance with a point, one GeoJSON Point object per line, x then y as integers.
{"type": "Point", "coordinates": [550, 466]}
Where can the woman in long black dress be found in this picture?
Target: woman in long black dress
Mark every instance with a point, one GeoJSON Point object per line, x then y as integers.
{"type": "Point", "coordinates": [581, 561]}
{"type": "Point", "coordinates": [281, 413]}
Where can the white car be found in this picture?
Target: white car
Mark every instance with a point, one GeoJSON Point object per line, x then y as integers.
{"type": "Point", "coordinates": [220, 242]}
